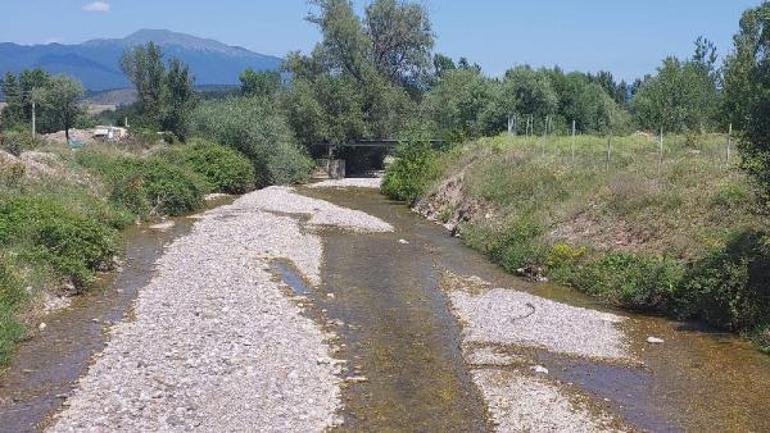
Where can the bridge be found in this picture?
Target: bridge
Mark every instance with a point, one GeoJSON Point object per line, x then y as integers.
{"type": "Point", "coordinates": [357, 157]}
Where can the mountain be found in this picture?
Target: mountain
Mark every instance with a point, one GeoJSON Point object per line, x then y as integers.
{"type": "Point", "coordinates": [96, 62]}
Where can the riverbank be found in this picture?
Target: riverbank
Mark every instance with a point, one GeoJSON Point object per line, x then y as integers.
{"type": "Point", "coordinates": [215, 343]}
{"type": "Point", "coordinates": [63, 213]}
{"type": "Point", "coordinates": [674, 233]}
{"type": "Point", "coordinates": [409, 342]}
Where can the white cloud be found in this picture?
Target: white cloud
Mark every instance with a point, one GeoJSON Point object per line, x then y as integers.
{"type": "Point", "coordinates": [101, 7]}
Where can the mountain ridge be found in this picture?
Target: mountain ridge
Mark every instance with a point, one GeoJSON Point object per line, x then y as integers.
{"type": "Point", "coordinates": [96, 62]}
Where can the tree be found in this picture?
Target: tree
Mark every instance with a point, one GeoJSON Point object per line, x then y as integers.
{"type": "Point", "coordinates": [458, 103]}
{"type": "Point", "coordinates": [401, 39]}
{"type": "Point", "coordinates": [365, 77]}
{"type": "Point", "coordinates": [166, 97]}
{"type": "Point", "coordinates": [442, 64]}
{"type": "Point", "coordinates": [62, 99]}
{"type": "Point", "coordinates": [179, 99]}
{"type": "Point", "coordinates": [747, 92]}
{"type": "Point", "coordinates": [263, 83]}
{"type": "Point", "coordinates": [683, 96]}
{"type": "Point", "coordinates": [143, 65]}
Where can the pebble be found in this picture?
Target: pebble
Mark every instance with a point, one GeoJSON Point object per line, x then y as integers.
{"type": "Point", "coordinates": [213, 328]}
{"type": "Point", "coordinates": [655, 340]}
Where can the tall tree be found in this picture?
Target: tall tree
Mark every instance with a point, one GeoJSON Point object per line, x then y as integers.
{"type": "Point", "coordinates": [179, 100]}
{"type": "Point", "coordinates": [63, 99]}
{"type": "Point", "coordinates": [144, 67]}
{"type": "Point", "coordinates": [401, 39]}
{"type": "Point", "coordinates": [747, 91]}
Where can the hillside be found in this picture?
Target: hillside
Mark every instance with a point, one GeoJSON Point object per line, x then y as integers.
{"type": "Point", "coordinates": [96, 62]}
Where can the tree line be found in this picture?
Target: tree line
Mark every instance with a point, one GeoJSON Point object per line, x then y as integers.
{"type": "Point", "coordinates": [377, 76]}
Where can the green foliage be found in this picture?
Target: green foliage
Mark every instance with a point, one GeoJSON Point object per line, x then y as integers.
{"type": "Point", "coordinates": [57, 100]}
{"type": "Point", "coordinates": [225, 169]}
{"type": "Point", "coordinates": [412, 172]}
{"type": "Point", "coordinates": [683, 96]}
{"type": "Point", "coordinates": [55, 234]}
{"type": "Point", "coordinates": [263, 84]}
{"type": "Point", "coordinates": [166, 96]}
{"type": "Point", "coordinates": [634, 281]}
{"type": "Point", "coordinates": [730, 287]}
{"type": "Point", "coordinates": [747, 93]}
{"type": "Point", "coordinates": [365, 77]}
{"type": "Point", "coordinates": [456, 105]}
{"type": "Point", "coordinates": [12, 295]}
{"type": "Point", "coordinates": [147, 187]}
{"type": "Point", "coordinates": [253, 127]}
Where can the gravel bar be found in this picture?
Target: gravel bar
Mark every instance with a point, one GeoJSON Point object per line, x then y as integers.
{"type": "Point", "coordinates": [216, 345]}
{"type": "Point", "coordinates": [350, 182]}
{"type": "Point", "coordinates": [520, 394]}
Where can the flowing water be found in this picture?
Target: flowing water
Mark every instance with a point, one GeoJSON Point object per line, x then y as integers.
{"type": "Point", "coordinates": [406, 342]}
{"type": "Point", "coordinates": [405, 368]}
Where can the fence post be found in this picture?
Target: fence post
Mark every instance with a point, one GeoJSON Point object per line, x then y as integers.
{"type": "Point", "coordinates": [729, 143]}
{"type": "Point", "coordinates": [660, 158]}
{"type": "Point", "coordinates": [573, 142]}
{"type": "Point", "coordinates": [609, 151]}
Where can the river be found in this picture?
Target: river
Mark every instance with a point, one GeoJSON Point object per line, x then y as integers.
{"type": "Point", "coordinates": [402, 341]}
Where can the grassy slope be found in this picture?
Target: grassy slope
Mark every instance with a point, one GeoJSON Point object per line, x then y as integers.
{"type": "Point", "coordinates": [60, 225]}
{"type": "Point", "coordinates": [679, 237]}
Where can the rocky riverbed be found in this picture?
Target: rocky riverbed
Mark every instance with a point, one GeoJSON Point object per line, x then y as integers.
{"type": "Point", "coordinates": [215, 343]}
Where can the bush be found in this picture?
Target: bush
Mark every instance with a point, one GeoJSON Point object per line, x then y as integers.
{"type": "Point", "coordinates": [147, 187]}
{"type": "Point", "coordinates": [11, 296]}
{"type": "Point", "coordinates": [253, 127]}
{"type": "Point", "coordinates": [412, 172]}
{"type": "Point", "coordinates": [225, 169]}
{"type": "Point", "coordinates": [730, 287]}
{"type": "Point", "coordinates": [633, 281]}
{"type": "Point", "coordinates": [15, 142]}
{"type": "Point", "coordinates": [52, 233]}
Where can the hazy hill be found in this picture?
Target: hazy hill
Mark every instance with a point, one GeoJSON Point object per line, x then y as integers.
{"type": "Point", "coordinates": [96, 62]}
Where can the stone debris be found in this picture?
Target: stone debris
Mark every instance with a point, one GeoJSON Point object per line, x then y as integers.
{"type": "Point", "coordinates": [216, 344]}
{"type": "Point", "coordinates": [164, 226]}
{"type": "Point", "coordinates": [489, 356]}
{"type": "Point", "coordinates": [350, 182]}
{"type": "Point", "coordinates": [519, 394]}
{"type": "Point", "coordinates": [502, 316]}
{"type": "Point", "coordinates": [519, 402]}
{"type": "Point", "coordinates": [285, 200]}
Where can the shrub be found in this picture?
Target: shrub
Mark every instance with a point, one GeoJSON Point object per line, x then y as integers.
{"type": "Point", "coordinates": [412, 172]}
{"type": "Point", "coordinates": [147, 187]}
{"type": "Point", "coordinates": [11, 296]}
{"type": "Point", "coordinates": [634, 281]}
{"type": "Point", "coordinates": [225, 169]}
{"type": "Point", "coordinates": [730, 287]}
{"type": "Point", "coordinates": [52, 233]}
{"type": "Point", "coordinates": [252, 126]}
{"type": "Point", "coordinates": [17, 141]}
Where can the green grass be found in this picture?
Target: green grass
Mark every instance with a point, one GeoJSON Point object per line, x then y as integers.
{"type": "Point", "coordinates": [678, 234]}
{"type": "Point", "coordinates": [57, 232]}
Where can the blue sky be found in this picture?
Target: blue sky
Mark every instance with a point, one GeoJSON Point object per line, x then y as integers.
{"type": "Point", "coordinates": [628, 38]}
